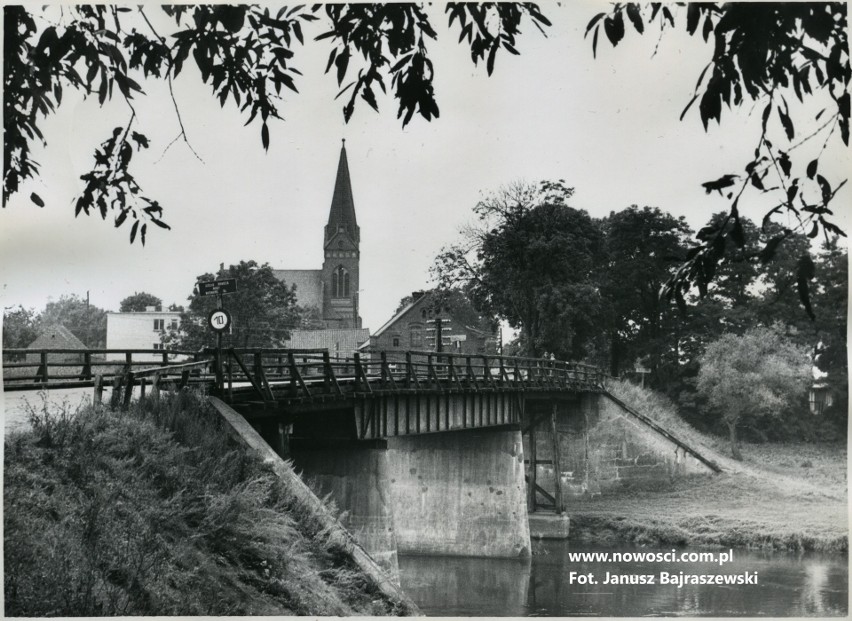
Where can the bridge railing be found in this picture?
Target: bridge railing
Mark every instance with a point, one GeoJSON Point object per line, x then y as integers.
{"type": "Point", "coordinates": [307, 373]}
{"type": "Point", "coordinates": [25, 369]}
{"type": "Point", "coordinates": [295, 373]}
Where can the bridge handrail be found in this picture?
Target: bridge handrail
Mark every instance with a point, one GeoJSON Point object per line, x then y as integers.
{"type": "Point", "coordinates": [159, 352]}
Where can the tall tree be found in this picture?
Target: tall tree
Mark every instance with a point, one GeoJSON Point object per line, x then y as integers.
{"type": "Point", "coordinates": [139, 302]}
{"type": "Point", "coordinates": [752, 375]}
{"type": "Point", "coordinates": [534, 262]}
{"type": "Point", "coordinates": [263, 310]}
{"type": "Point", "coordinates": [767, 54]}
{"type": "Point", "coordinates": [86, 321]}
{"type": "Point", "coordinates": [644, 247]}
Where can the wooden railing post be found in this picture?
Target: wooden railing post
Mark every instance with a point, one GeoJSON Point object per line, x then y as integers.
{"type": "Point", "coordinates": [361, 375]}
{"type": "Point", "coordinates": [328, 374]}
{"type": "Point", "coordinates": [41, 372]}
{"type": "Point", "coordinates": [155, 388]}
{"type": "Point", "coordinates": [115, 398]}
{"type": "Point", "coordinates": [471, 376]}
{"type": "Point", "coordinates": [410, 372]}
{"type": "Point", "coordinates": [384, 371]}
{"type": "Point", "coordinates": [86, 373]}
{"type": "Point", "coordinates": [98, 397]}
{"type": "Point", "coordinates": [128, 389]}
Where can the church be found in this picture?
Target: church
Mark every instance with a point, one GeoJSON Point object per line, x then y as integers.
{"type": "Point", "coordinates": [333, 290]}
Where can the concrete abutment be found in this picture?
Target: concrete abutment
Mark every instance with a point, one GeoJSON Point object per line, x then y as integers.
{"type": "Point", "coordinates": [460, 493]}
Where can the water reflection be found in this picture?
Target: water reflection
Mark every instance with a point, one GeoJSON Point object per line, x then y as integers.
{"type": "Point", "coordinates": [788, 585]}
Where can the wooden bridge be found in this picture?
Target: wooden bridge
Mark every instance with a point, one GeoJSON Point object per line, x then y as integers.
{"type": "Point", "coordinates": [391, 393]}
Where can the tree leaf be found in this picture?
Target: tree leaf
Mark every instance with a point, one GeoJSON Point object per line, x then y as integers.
{"type": "Point", "coordinates": [614, 28]}
{"type": "Point", "coordinates": [36, 199]}
{"type": "Point", "coordinates": [786, 123]}
{"type": "Point", "coordinates": [635, 17]}
{"type": "Point", "coordinates": [812, 168]}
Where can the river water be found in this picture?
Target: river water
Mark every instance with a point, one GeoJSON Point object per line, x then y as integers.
{"type": "Point", "coordinates": [787, 585]}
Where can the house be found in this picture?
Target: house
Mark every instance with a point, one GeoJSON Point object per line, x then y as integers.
{"type": "Point", "coordinates": [139, 330]}
{"type": "Point", "coordinates": [341, 343]}
{"type": "Point", "coordinates": [821, 397]}
{"type": "Point", "coordinates": [56, 336]}
{"type": "Point", "coordinates": [416, 325]}
{"type": "Point", "coordinates": [333, 289]}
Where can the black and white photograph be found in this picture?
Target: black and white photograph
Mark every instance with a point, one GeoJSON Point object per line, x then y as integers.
{"type": "Point", "coordinates": [425, 309]}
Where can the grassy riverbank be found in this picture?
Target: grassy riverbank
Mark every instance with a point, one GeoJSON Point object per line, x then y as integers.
{"type": "Point", "coordinates": [781, 496]}
{"type": "Point", "coordinates": [153, 512]}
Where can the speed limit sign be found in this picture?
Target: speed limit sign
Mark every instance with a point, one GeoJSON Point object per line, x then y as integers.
{"type": "Point", "coordinates": [219, 319]}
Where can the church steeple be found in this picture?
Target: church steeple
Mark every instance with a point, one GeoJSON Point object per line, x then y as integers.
{"type": "Point", "coordinates": [340, 270]}
{"type": "Point", "coordinates": [341, 216]}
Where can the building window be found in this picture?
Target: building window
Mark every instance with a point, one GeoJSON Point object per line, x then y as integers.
{"type": "Point", "coordinates": [159, 324]}
{"type": "Point", "coordinates": [415, 336]}
{"type": "Point", "coordinates": [340, 283]}
{"type": "Point", "coordinates": [396, 341]}
{"type": "Point", "coordinates": [158, 346]}
{"type": "Point", "coordinates": [174, 324]}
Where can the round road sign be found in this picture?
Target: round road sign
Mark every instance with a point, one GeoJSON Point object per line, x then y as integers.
{"type": "Point", "coordinates": [219, 319]}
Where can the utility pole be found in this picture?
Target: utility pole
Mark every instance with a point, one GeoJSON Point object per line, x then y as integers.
{"type": "Point", "coordinates": [89, 345]}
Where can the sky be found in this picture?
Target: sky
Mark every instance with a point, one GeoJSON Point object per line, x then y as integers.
{"type": "Point", "coordinates": [608, 126]}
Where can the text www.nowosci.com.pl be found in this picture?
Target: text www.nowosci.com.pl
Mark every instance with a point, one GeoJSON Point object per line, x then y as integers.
{"type": "Point", "coordinates": [652, 557]}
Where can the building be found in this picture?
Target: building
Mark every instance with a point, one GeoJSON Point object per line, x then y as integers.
{"type": "Point", "coordinates": [56, 336]}
{"type": "Point", "coordinates": [333, 289]}
{"type": "Point", "coordinates": [820, 397]}
{"type": "Point", "coordinates": [341, 343]}
{"type": "Point", "coordinates": [139, 330]}
{"type": "Point", "coordinates": [415, 328]}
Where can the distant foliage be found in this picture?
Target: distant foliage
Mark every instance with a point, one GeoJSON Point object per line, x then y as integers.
{"type": "Point", "coordinates": [86, 321]}
{"type": "Point", "coordinates": [757, 374]}
{"type": "Point", "coordinates": [767, 54]}
{"type": "Point", "coordinates": [139, 302]}
{"type": "Point", "coordinates": [263, 311]}
{"type": "Point", "coordinates": [20, 327]}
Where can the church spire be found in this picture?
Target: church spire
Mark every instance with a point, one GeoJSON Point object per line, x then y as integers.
{"type": "Point", "coordinates": [342, 212]}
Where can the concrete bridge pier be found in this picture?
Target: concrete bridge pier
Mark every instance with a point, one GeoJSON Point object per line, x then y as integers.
{"type": "Point", "coordinates": [460, 493]}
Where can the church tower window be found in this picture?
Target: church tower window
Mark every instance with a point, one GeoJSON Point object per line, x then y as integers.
{"type": "Point", "coordinates": [340, 283]}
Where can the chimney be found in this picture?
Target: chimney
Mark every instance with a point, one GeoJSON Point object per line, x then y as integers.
{"type": "Point", "coordinates": [416, 295]}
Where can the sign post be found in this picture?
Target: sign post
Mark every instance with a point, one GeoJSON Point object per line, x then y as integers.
{"type": "Point", "coordinates": [219, 319]}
